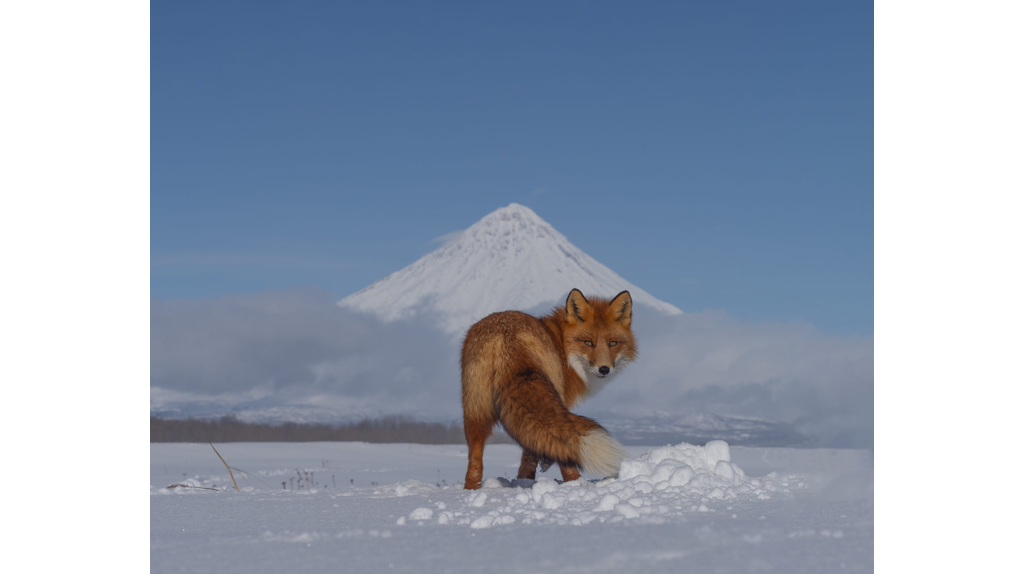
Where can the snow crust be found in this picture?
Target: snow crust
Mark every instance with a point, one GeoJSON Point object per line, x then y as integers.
{"type": "Point", "coordinates": [510, 259]}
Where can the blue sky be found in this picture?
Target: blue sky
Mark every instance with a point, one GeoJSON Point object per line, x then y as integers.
{"type": "Point", "coordinates": [719, 155]}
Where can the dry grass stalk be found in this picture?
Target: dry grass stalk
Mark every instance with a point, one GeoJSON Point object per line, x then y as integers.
{"type": "Point", "coordinates": [225, 466]}
{"type": "Point", "coordinates": [250, 474]}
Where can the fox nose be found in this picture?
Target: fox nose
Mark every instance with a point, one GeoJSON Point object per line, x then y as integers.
{"type": "Point", "coordinates": [604, 370]}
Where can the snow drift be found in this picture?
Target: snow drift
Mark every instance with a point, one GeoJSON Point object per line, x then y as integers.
{"type": "Point", "coordinates": [661, 484]}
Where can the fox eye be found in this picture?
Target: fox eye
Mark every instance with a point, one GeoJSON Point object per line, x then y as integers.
{"type": "Point", "coordinates": [612, 343]}
{"type": "Point", "coordinates": [589, 343]}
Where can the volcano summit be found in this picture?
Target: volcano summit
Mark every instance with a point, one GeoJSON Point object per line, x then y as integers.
{"type": "Point", "coordinates": [510, 259]}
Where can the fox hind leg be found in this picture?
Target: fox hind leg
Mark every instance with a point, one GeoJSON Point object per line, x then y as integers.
{"type": "Point", "coordinates": [528, 466]}
{"type": "Point", "coordinates": [477, 433]}
{"type": "Point", "coordinates": [569, 473]}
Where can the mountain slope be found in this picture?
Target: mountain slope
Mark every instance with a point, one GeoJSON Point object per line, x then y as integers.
{"type": "Point", "coordinates": [510, 259]}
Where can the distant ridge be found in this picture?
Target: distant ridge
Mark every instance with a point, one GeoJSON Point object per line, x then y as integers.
{"type": "Point", "coordinates": [510, 259]}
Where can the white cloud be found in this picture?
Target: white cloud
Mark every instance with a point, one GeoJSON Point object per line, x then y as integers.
{"type": "Point", "coordinates": [448, 237]}
{"type": "Point", "coordinates": [296, 355]}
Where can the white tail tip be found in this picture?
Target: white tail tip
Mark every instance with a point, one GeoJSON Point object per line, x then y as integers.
{"type": "Point", "coordinates": [601, 454]}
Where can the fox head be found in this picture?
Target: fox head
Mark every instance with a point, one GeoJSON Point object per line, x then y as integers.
{"type": "Point", "coordinates": [597, 336]}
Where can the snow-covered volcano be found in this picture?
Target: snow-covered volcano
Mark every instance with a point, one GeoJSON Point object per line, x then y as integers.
{"type": "Point", "coordinates": [510, 259]}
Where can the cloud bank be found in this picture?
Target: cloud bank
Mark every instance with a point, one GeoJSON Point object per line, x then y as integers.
{"type": "Point", "coordinates": [709, 362]}
{"type": "Point", "coordinates": [295, 355]}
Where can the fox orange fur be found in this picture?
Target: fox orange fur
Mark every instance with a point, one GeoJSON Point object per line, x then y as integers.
{"type": "Point", "coordinates": [527, 372]}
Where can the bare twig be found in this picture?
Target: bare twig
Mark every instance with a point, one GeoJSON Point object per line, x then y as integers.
{"type": "Point", "coordinates": [251, 474]}
{"type": "Point", "coordinates": [225, 466]}
{"type": "Point", "coordinates": [190, 486]}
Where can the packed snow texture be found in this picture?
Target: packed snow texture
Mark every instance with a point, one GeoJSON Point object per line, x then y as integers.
{"type": "Point", "coordinates": [510, 259]}
{"type": "Point", "coordinates": [398, 507]}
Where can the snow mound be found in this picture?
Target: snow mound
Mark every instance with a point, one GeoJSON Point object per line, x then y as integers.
{"type": "Point", "coordinates": [510, 259]}
{"type": "Point", "coordinates": [664, 483]}
{"type": "Point", "coordinates": [669, 464]}
{"type": "Point", "coordinates": [407, 488]}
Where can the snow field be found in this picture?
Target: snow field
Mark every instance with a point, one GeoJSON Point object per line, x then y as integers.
{"type": "Point", "coordinates": [400, 508]}
{"type": "Point", "coordinates": [664, 483]}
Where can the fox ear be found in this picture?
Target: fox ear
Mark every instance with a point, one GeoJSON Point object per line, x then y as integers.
{"type": "Point", "coordinates": [577, 308]}
{"type": "Point", "coordinates": [621, 309]}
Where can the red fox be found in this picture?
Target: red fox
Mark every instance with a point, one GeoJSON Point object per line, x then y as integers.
{"type": "Point", "coordinates": [526, 373]}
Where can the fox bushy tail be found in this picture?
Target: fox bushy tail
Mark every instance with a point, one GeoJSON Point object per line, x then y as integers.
{"type": "Point", "coordinates": [532, 413]}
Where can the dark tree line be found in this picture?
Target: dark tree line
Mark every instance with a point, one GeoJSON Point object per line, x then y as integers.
{"type": "Point", "coordinates": [230, 429]}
